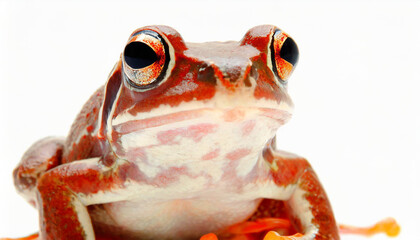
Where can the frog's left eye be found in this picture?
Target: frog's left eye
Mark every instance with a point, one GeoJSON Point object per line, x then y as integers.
{"type": "Point", "coordinates": [145, 59]}
{"type": "Point", "coordinates": [284, 55]}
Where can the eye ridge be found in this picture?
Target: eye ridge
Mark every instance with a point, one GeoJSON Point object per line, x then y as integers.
{"type": "Point", "coordinates": [139, 55]}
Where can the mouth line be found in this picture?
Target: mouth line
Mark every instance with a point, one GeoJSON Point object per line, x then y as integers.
{"type": "Point", "coordinates": [228, 115]}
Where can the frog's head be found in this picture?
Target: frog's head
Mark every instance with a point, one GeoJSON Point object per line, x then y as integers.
{"type": "Point", "coordinates": [167, 99]}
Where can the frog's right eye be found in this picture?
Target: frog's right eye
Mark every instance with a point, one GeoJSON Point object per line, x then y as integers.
{"type": "Point", "coordinates": [145, 60]}
{"type": "Point", "coordinates": [284, 55]}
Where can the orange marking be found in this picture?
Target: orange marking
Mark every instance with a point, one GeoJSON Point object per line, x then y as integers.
{"type": "Point", "coordinates": [238, 154]}
{"type": "Point", "coordinates": [260, 225]}
{"type": "Point", "coordinates": [89, 128]}
{"type": "Point", "coordinates": [209, 236]}
{"type": "Point", "coordinates": [388, 226]}
{"type": "Point", "coordinates": [31, 237]}
{"type": "Point", "coordinates": [275, 236]}
{"type": "Point", "coordinates": [285, 68]}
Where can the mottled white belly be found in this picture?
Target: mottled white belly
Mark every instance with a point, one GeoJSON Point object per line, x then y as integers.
{"type": "Point", "coordinates": [175, 219]}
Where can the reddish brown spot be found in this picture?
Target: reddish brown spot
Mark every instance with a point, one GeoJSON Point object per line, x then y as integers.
{"type": "Point", "coordinates": [130, 171]}
{"type": "Point", "coordinates": [211, 155]}
{"type": "Point", "coordinates": [247, 127]}
{"type": "Point", "coordinates": [233, 115]}
{"type": "Point", "coordinates": [169, 136]}
{"type": "Point", "coordinates": [138, 153]}
{"type": "Point", "coordinates": [170, 175]}
{"type": "Point", "coordinates": [238, 154]}
{"type": "Point", "coordinates": [89, 129]}
{"type": "Point", "coordinates": [195, 132]}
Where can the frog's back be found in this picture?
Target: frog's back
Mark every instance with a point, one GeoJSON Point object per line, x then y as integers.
{"type": "Point", "coordinates": [82, 141]}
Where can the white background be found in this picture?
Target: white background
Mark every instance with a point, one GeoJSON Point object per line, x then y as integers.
{"type": "Point", "coordinates": [355, 88]}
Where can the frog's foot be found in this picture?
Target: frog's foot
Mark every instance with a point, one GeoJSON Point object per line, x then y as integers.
{"type": "Point", "coordinates": [260, 225]}
{"type": "Point", "coordinates": [35, 236]}
{"type": "Point", "coordinates": [275, 236]}
{"type": "Point", "coordinates": [42, 156]}
{"type": "Point", "coordinates": [31, 237]}
{"type": "Point", "coordinates": [388, 226]}
{"type": "Point", "coordinates": [255, 230]}
{"type": "Point", "coordinates": [209, 236]}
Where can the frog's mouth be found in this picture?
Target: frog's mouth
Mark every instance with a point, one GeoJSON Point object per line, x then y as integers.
{"type": "Point", "coordinates": [184, 118]}
{"type": "Point", "coordinates": [188, 137]}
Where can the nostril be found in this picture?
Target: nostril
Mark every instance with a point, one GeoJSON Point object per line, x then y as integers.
{"type": "Point", "coordinates": [239, 75]}
{"type": "Point", "coordinates": [206, 74]}
{"type": "Point", "coordinates": [229, 76]}
{"type": "Point", "coordinates": [233, 74]}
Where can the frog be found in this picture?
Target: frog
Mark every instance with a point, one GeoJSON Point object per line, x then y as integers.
{"type": "Point", "coordinates": [180, 143]}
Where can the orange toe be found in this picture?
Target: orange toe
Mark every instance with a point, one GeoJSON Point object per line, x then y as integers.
{"type": "Point", "coordinates": [388, 226]}
{"type": "Point", "coordinates": [31, 237]}
{"type": "Point", "coordinates": [275, 236]}
{"type": "Point", "coordinates": [209, 236]}
{"type": "Point", "coordinates": [260, 225]}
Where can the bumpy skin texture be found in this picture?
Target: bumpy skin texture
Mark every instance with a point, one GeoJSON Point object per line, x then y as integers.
{"type": "Point", "coordinates": [196, 145]}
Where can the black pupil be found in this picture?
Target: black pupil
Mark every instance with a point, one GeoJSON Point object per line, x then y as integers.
{"type": "Point", "coordinates": [139, 55]}
{"type": "Point", "coordinates": [289, 51]}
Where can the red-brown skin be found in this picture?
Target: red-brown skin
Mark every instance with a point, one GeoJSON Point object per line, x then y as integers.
{"type": "Point", "coordinates": [297, 169]}
{"type": "Point", "coordinates": [57, 185]}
